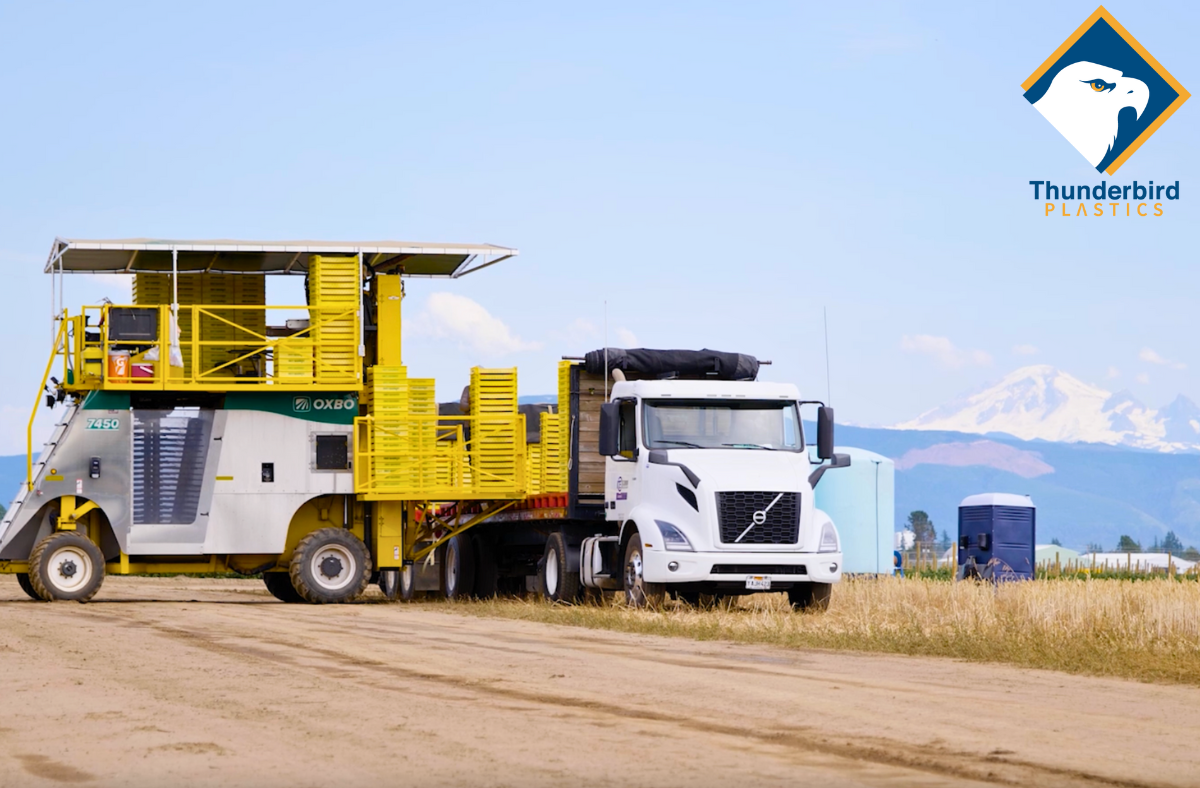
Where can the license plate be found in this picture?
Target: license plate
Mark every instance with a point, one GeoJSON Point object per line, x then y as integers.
{"type": "Point", "coordinates": [758, 583]}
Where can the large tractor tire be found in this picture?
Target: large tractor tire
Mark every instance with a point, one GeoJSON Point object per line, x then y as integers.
{"type": "Point", "coordinates": [639, 593]}
{"type": "Point", "coordinates": [556, 582]}
{"type": "Point", "coordinates": [458, 567]}
{"type": "Point", "coordinates": [27, 587]}
{"type": "Point", "coordinates": [66, 566]}
{"type": "Point", "coordinates": [810, 596]}
{"type": "Point", "coordinates": [330, 566]}
{"type": "Point", "coordinates": [280, 586]}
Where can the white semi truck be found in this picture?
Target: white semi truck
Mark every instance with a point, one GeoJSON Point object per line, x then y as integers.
{"type": "Point", "coordinates": [204, 430]}
{"type": "Point", "coordinates": [707, 487]}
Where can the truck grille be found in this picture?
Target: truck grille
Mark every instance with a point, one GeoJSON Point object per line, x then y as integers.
{"type": "Point", "coordinates": [781, 525]}
{"type": "Point", "coordinates": [759, 569]}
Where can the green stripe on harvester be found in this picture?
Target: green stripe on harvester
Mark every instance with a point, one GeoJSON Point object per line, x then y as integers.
{"type": "Point", "coordinates": [106, 400]}
{"type": "Point", "coordinates": [323, 408]}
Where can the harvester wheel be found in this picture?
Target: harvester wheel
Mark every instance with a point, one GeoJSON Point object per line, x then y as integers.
{"type": "Point", "coordinates": [810, 596]}
{"type": "Point", "coordinates": [27, 587]}
{"type": "Point", "coordinates": [329, 566]}
{"type": "Point", "coordinates": [66, 566]}
{"type": "Point", "coordinates": [558, 584]}
{"type": "Point", "coordinates": [280, 586]}
{"type": "Point", "coordinates": [458, 567]}
{"type": "Point", "coordinates": [639, 593]}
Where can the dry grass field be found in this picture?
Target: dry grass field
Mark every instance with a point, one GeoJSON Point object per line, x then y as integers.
{"type": "Point", "coordinates": [1147, 630]}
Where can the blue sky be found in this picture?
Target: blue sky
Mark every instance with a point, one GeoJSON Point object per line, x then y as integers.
{"type": "Point", "coordinates": [718, 173]}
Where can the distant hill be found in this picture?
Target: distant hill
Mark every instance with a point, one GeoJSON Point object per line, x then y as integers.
{"type": "Point", "coordinates": [12, 476]}
{"type": "Point", "coordinates": [1043, 402]}
{"type": "Point", "coordinates": [1085, 492]}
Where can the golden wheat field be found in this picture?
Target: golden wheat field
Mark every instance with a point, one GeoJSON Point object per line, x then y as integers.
{"type": "Point", "coordinates": [1147, 629]}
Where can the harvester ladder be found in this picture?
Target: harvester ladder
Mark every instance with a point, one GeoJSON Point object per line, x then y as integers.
{"type": "Point", "coordinates": [36, 469]}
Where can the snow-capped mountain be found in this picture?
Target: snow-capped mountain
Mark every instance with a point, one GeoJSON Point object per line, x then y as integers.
{"type": "Point", "coordinates": [1046, 403]}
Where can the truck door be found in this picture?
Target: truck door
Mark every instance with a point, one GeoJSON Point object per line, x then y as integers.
{"type": "Point", "coordinates": [621, 472]}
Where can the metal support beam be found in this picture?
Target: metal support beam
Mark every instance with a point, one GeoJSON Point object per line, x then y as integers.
{"type": "Point", "coordinates": [456, 530]}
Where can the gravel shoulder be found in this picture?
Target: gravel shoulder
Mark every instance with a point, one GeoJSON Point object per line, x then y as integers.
{"type": "Point", "coordinates": [211, 682]}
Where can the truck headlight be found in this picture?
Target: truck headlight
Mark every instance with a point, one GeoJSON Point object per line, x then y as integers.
{"type": "Point", "coordinates": [829, 540]}
{"type": "Point", "coordinates": [673, 538]}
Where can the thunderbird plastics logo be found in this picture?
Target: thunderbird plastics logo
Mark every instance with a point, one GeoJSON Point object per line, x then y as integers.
{"type": "Point", "coordinates": [1104, 92]}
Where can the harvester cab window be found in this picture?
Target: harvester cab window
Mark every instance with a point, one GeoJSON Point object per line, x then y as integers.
{"type": "Point", "coordinates": [333, 452]}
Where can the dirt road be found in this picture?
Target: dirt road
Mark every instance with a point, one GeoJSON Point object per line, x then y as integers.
{"type": "Point", "coordinates": [212, 682]}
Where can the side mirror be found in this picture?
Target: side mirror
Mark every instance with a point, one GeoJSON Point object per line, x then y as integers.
{"type": "Point", "coordinates": [610, 429]}
{"type": "Point", "coordinates": [825, 433]}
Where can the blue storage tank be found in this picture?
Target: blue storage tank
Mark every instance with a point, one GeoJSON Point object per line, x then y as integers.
{"type": "Point", "coordinates": [997, 530]}
{"type": "Point", "coordinates": [861, 500]}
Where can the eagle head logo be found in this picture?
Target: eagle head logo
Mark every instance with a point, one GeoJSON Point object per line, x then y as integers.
{"type": "Point", "coordinates": [1086, 87]}
{"type": "Point", "coordinates": [1084, 102]}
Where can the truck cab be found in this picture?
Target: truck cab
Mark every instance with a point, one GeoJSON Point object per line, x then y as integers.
{"type": "Point", "coordinates": [711, 486]}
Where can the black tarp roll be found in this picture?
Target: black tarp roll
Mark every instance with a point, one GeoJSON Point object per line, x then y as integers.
{"type": "Point", "coordinates": [709, 364]}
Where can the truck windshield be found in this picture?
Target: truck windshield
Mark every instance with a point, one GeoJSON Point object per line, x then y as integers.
{"type": "Point", "coordinates": [722, 424]}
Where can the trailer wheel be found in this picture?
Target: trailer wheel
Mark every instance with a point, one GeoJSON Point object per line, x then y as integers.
{"type": "Point", "coordinates": [408, 585]}
{"type": "Point", "coordinates": [458, 567]}
{"type": "Point", "coordinates": [810, 596]}
{"type": "Point", "coordinates": [27, 587]}
{"type": "Point", "coordinates": [66, 566]}
{"type": "Point", "coordinates": [329, 566]}
{"type": "Point", "coordinates": [639, 593]}
{"type": "Point", "coordinates": [389, 584]}
{"type": "Point", "coordinates": [487, 571]}
{"type": "Point", "coordinates": [279, 584]}
{"type": "Point", "coordinates": [558, 584]}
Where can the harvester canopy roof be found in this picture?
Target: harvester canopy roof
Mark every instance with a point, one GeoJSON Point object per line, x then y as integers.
{"type": "Point", "coordinates": [130, 255]}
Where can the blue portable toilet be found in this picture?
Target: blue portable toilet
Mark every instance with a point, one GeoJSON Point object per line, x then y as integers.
{"type": "Point", "coordinates": [861, 501]}
{"type": "Point", "coordinates": [996, 536]}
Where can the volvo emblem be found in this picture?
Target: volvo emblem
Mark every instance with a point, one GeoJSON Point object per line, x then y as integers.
{"type": "Point", "coordinates": [760, 517]}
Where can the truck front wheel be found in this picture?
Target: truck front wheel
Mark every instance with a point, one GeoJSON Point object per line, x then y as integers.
{"type": "Point", "coordinates": [810, 596]}
{"type": "Point", "coordinates": [639, 593]}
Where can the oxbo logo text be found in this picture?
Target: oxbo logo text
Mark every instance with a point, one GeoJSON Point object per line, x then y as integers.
{"type": "Point", "coordinates": [308, 404]}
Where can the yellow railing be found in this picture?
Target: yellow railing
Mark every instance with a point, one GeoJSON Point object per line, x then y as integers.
{"type": "Point", "coordinates": [440, 458]}
{"type": "Point", "coordinates": [216, 347]}
{"type": "Point", "coordinates": [59, 347]}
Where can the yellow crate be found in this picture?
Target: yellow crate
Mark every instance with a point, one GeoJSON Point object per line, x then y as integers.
{"type": "Point", "coordinates": [294, 360]}
{"type": "Point", "coordinates": [333, 290]}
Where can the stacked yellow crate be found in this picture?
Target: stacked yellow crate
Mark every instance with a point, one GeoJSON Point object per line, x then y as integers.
{"type": "Point", "coordinates": [216, 289]}
{"type": "Point", "coordinates": [496, 462]}
{"type": "Point", "coordinates": [333, 293]}
{"type": "Point", "coordinates": [151, 289]}
{"type": "Point", "coordinates": [553, 465]}
{"type": "Point", "coordinates": [534, 466]}
{"type": "Point", "coordinates": [388, 406]}
{"type": "Point", "coordinates": [405, 461]}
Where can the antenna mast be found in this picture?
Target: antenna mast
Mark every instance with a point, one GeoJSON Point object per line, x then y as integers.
{"type": "Point", "coordinates": [828, 384]}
